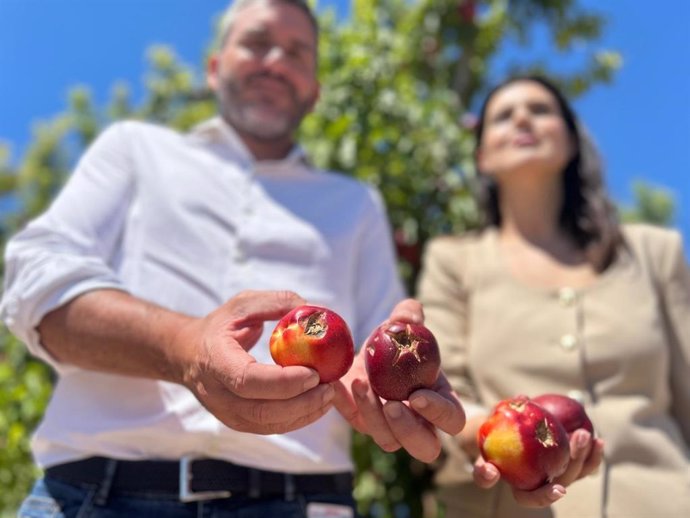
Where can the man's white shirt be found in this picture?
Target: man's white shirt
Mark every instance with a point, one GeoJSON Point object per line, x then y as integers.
{"type": "Point", "coordinates": [187, 221]}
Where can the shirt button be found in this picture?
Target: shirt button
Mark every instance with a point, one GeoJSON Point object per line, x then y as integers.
{"type": "Point", "coordinates": [568, 342]}
{"type": "Point", "coordinates": [567, 296]}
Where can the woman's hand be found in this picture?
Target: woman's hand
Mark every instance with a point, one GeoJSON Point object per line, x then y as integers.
{"type": "Point", "coordinates": [586, 455]}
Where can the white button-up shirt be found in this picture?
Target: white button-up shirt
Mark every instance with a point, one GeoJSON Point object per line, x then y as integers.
{"type": "Point", "coordinates": [188, 221]}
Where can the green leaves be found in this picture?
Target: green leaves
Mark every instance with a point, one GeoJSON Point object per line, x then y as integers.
{"type": "Point", "coordinates": [380, 122]}
{"type": "Point", "coordinates": [25, 387]}
{"type": "Point", "coordinates": [654, 205]}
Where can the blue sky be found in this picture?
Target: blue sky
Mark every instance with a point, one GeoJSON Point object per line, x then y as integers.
{"type": "Point", "coordinates": [641, 122]}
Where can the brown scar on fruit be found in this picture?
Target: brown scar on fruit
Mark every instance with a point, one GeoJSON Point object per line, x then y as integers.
{"type": "Point", "coordinates": [407, 343]}
{"type": "Point", "coordinates": [544, 434]}
{"type": "Point", "coordinates": [518, 406]}
{"type": "Point", "coordinates": [314, 324]}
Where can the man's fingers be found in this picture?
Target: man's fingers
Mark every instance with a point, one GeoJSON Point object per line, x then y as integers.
{"type": "Point", "coordinates": [345, 404]}
{"type": "Point", "coordinates": [275, 417]}
{"type": "Point", "coordinates": [271, 416]}
{"type": "Point", "coordinates": [257, 398]}
{"type": "Point", "coordinates": [248, 336]}
{"type": "Point", "coordinates": [251, 380]}
{"type": "Point", "coordinates": [372, 416]}
{"type": "Point", "coordinates": [416, 435]}
{"type": "Point", "coordinates": [302, 421]}
{"type": "Point", "coordinates": [285, 411]}
{"type": "Point", "coordinates": [252, 307]}
{"type": "Point", "coordinates": [245, 395]}
{"type": "Point", "coordinates": [408, 310]}
{"type": "Point", "coordinates": [442, 410]}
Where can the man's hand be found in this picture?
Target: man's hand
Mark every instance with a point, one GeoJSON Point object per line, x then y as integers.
{"type": "Point", "coordinates": [245, 395]}
{"type": "Point", "coordinates": [393, 425]}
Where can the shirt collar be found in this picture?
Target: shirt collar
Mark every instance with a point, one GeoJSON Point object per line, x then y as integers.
{"type": "Point", "coordinates": [216, 131]}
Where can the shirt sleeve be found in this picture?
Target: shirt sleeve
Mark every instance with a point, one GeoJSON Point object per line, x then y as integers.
{"type": "Point", "coordinates": [68, 250]}
{"type": "Point", "coordinates": [676, 302]}
{"type": "Point", "coordinates": [378, 287]}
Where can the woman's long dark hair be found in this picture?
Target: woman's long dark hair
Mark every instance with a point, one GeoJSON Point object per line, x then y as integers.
{"type": "Point", "coordinates": [587, 214]}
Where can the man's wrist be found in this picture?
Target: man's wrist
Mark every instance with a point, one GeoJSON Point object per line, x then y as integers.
{"type": "Point", "coordinates": [179, 347]}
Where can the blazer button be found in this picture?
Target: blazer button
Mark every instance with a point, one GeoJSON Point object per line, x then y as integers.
{"type": "Point", "coordinates": [567, 296]}
{"type": "Point", "coordinates": [568, 342]}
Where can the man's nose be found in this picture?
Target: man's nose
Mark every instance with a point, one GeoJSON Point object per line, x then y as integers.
{"type": "Point", "coordinates": [275, 55]}
{"type": "Point", "coordinates": [276, 61]}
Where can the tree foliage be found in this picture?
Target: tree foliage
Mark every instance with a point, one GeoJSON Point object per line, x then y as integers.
{"type": "Point", "coordinates": [399, 80]}
{"type": "Point", "coordinates": [654, 205]}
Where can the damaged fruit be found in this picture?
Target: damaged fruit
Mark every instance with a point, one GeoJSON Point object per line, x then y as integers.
{"type": "Point", "coordinates": [315, 337]}
{"type": "Point", "coordinates": [527, 444]}
{"type": "Point", "coordinates": [567, 410]}
{"type": "Point", "coordinates": [400, 358]}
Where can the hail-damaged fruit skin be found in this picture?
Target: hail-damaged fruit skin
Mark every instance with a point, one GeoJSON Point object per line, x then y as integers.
{"type": "Point", "coordinates": [527, 444]}
{"type": "Point", "coordinates": [400, 358]}
{"type": "Point", "coordinates": [315, 337]}
{"type": "Point", "coordinates": [567, 410]}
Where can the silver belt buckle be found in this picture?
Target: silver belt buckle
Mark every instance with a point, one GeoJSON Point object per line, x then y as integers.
{"type": "Point", "coordinates": [186, 494]}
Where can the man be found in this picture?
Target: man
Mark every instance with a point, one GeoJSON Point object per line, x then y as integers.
{"type": "Point", "coordinates": [133, 285]}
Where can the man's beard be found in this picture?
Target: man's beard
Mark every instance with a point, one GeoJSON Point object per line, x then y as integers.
{"type": "Point", "coordinates": [249, 116]}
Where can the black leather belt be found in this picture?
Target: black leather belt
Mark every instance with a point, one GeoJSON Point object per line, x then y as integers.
{"type": "Point", "coordinates": [194, 479]}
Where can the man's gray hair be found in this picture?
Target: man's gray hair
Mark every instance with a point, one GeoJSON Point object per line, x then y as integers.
{"type": "Point", "coordinates": [230, 14]}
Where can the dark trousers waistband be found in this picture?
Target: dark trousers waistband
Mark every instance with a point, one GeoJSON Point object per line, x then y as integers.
{"type": "Point", "coordinates": [194, 479]}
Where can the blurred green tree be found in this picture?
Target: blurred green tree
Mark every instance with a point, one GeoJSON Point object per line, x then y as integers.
{"type": "Point", "coordinates": [400, 78]}
{"type": "Point", "coordinates": [652, 204]}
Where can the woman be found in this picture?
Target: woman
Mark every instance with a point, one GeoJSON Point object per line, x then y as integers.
{"type": "Point", "coordinates": [554, 296]}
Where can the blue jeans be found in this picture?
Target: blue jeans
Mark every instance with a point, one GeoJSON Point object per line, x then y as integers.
{"type": "Point", "coordinates": [55, 499]}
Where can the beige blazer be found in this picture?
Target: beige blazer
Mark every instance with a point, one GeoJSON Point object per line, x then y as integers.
{"type": "Point", "coordinates": [620, 345]}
